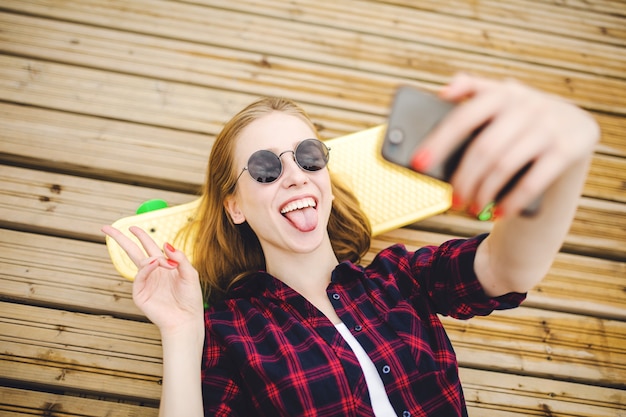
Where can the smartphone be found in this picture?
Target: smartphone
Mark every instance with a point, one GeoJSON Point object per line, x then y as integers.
{"type": "Point", "coordinates": [414, 114]}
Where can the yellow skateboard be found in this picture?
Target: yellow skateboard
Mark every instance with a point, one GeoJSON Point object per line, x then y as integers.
{"type": "Point", "coordinates": [390, 195]}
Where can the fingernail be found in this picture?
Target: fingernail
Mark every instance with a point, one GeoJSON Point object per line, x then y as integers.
{"type": "Point", "coordinates": [474, 209]}
{"type": "Point", "coordinates": [172, 262]}
{"type": "Point", "coordinates": [498, 212]}
{"type": "Point", "coordinates": [457, 201]}
{"type": "Point", "coordinates": [169, 247]}
{"type": "Point", "coordinates": [421, 161]}
{"type": "Point", "coordinates": [152, 262]}
{"type": "Point", "coordinates": [486, 213]}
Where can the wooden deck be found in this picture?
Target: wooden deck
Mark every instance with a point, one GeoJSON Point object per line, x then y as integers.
{"type": "Point", "coordinates": [107, 103]}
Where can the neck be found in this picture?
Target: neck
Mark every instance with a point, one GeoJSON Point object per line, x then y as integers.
{"type": "Point", "coordinates": [307, 273]}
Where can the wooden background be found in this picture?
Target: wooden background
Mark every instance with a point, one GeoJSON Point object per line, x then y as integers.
{"type": "Point", "coordinates": [107, 103]}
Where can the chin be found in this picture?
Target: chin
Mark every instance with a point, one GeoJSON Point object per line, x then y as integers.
{"type": "Point", "coordinates": [309, 242]}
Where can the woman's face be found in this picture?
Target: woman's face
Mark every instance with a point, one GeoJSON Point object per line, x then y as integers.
{"type": "Point", "coordinates": [290, 214]}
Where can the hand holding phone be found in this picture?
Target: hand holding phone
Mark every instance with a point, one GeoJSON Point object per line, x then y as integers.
{"type": "Point", "coordinates": [414, 114]}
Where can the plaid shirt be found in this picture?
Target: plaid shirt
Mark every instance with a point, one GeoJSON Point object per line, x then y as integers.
{"type": "Point", "coordinates": [269, 352]}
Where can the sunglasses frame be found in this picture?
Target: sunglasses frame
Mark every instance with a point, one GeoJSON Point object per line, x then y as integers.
{"type": "Point", "coordinates": [280, 161]}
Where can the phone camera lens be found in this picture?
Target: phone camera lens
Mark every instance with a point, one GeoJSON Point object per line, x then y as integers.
{"type": "Point", "coordinates": [396, 136]}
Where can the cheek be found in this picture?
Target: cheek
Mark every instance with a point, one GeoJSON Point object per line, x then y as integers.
{"type": "Point", "coordinates": [327, 191]}
{"type": "Point", "coordinates": [255, 199]}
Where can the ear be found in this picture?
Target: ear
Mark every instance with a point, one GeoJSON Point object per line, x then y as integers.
{"type": "Point", "coordinates": [232, 207]}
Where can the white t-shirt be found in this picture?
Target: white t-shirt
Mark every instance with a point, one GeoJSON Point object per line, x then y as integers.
{"type": "Point", "coordinates": [380, 401]}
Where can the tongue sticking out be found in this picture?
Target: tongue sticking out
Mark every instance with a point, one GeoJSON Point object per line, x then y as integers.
{"type": "Point", "coordinates": [304, 219]}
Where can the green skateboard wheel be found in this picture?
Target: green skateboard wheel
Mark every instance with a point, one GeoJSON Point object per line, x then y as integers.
{"type": "Point", "coordinates": [151, 205]}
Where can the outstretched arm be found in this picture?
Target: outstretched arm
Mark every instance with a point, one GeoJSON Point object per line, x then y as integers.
{"type": "Point", "coordinates": [523, 126]}
{"type": "Point", "coordinates": [520, 250]}
{"type": "Point", "coordinates": [167, 290]}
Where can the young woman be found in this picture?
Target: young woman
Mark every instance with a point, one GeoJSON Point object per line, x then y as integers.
{"type": "Point", "coordinates": [295, 327]}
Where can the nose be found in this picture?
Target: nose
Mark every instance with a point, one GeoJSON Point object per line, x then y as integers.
{"type": "Point", "coordinates": [292, 173]}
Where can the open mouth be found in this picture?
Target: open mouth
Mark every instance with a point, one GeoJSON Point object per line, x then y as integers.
{"type": "Point", "coordinates": [302, 213]}
{"type": "Point", "coordinates": [298, 205]}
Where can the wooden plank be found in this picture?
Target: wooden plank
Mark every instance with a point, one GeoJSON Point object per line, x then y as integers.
{"type": "Point", "coordinates": [64, 274]}
{"type": "Point", "coordinates": [505, 395]}
{"type": "Point", "coordinates": [607, 178]}
{"type": "Point", "coordinates": [543, 344]}
{"type": "Point", "coordinates": [511, 395]}
{"type": "Point", "coordinates": [523, 42]}
{"type": "Point", "coordinates": [69, 206]}
{"type": "Point", "coordinates": [22, 402]}
{"type": "Point", "coordinates": [76, 352]}
{"type": "Point", "coordinates": [103, 148]}
{"type": "Point", "coordinates": [600, 21]}
{"type": "Point", "coordinates": [598, 228]}
{"type": "Point", "coordinates": [511, 40]}
{"type": "Point", "coordinates": [69, 374]}
{"type": "Point", "coordinates": [613, 141]}
{"type": "Point", "coordinates": [116, 96]}
{"type": "Point", "coordinates": [108, 95]}
{"type": "Point", "coordinates": [187, 62]}
{"type": "Point", "coordinates": [583, 285]}
{"type": "Point", "coordinates": [611, 7]}
{"type": "Point", "coordinates": [488, 394]}
{"type": "Point", "coordinates": [341, 48]}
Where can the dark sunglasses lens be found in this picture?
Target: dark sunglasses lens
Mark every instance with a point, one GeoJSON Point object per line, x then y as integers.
{"type": "Point", "coordinates": [264, 166]}
{"type": "Point", "coordinates": [312, 155]}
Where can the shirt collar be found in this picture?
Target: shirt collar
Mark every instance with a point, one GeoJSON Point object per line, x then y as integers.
{"type": "Point", "coordinates": [261, 283]}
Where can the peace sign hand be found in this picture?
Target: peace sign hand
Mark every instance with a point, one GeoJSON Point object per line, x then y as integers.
{"type": "Point", "coordinates": [166, 287]}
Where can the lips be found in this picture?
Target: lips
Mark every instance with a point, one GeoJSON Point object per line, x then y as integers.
{"type": "Point", "coordinates": [301, 213]}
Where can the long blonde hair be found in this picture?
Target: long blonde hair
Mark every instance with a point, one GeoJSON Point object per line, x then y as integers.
{"type": "Point", "coordinates": [224, 252]}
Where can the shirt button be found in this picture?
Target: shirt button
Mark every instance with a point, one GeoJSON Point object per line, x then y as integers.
{"type": "Point", "coordinates": [358, 328]}
{"type": "Point", "coordinates": [406, 413]}
{"type": "Point", "coordinates": [336, 296]}
{"type": "Point", "coordinates": [386, 369]}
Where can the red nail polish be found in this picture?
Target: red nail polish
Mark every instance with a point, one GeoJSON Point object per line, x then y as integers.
{"type": "Point", "coordinates": [474, 209]}
{"type": "Point", "coordinates": [498, 212]}
{"type": "Point", "coordinates": [169, 247]}
{"type": "Point", "coordinates": [172, 263]}
{"type": "Point", "coordinates": [421, 161]}
{"type": "Point", "coordinates": [457, 201]}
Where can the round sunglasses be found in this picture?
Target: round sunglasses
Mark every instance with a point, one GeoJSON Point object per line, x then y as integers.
{"type": "Point", "coordinates": [266, 167]}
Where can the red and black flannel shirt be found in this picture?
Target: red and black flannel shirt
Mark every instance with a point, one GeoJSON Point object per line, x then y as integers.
{"type": "Point", "coordinates": [269, 352]}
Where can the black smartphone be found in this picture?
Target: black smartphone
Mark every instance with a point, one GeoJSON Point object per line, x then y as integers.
{"type": "Point", "coordinates": [414, 114]}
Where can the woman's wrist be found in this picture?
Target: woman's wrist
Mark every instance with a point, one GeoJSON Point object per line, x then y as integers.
{"type": "Point", "coordinates": [182, 364]}
{"type": "Point", "coordinates": [185, 335]}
